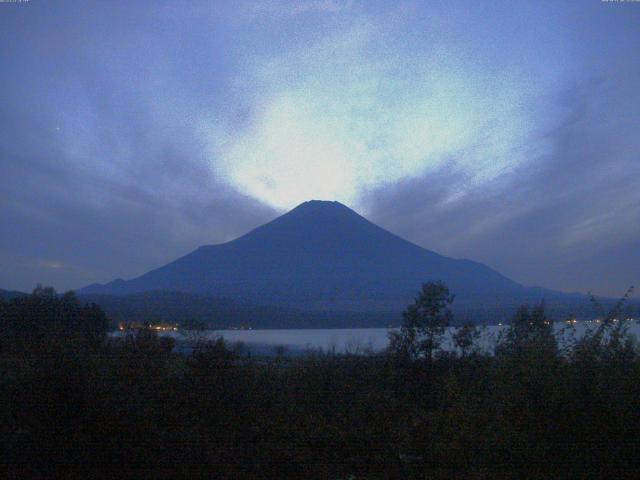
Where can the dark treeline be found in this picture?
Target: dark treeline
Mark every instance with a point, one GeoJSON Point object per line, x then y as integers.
{"type": "Point", "coordinates": [75, 402]}
{"type": "Point", "coordinates": [215, 313]}
{"type": "Point", "coordinates": [220, 313]}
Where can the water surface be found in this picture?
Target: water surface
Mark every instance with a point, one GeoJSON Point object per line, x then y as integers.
{"type": "Point", "coordinates": [300, 341]}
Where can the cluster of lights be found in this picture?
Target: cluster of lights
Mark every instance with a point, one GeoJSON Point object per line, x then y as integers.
{"type": "Point", "coordinates": [160, 327]}
{"type": "Point", "coordinates": [164, 328]}
{"type": "Point", "coordinates": [614, 320]}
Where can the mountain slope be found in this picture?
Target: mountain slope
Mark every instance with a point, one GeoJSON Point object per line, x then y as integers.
{"type": "Point", "coordinates": [323, 256]}
{"type": "Point", "coordinates": [325, 260]}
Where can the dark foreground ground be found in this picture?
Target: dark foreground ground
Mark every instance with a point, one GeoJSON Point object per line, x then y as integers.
{"type": "Point", "coordinates": [76, 404]}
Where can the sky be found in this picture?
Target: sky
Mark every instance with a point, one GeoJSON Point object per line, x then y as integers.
{"type": "Point", "coordinates": [507, 132]}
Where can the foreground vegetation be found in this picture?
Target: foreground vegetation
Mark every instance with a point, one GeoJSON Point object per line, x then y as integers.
{"type": "Point", "coordinates": [74, 402]}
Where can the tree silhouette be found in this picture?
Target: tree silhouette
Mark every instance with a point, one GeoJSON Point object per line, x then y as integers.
{"type": "Point", "coordinates": [424, 322]}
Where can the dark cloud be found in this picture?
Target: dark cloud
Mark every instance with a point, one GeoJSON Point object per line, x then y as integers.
{"type": "Point", "coordinates": [103, 173]}
{"type": "Point", "coordinates": [140, 198]}
{"type": "Point", "coordinates": [567, 220]}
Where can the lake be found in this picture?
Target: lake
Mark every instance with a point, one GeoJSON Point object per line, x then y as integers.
{"type": "Point", "coordinates": [301, 341]}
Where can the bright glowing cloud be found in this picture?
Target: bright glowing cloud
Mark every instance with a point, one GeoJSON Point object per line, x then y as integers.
{"type": "Point", "coordinates": [335, 119]}
{"type": "Point", "coordinates": [289, 155]}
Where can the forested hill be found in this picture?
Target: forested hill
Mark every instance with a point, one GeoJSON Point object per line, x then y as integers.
{"type": "Point", "coordinates": [9, 294]}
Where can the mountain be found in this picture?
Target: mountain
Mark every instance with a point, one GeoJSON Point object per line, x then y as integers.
{"type": "Point", "coordinates": [324, 257]}
{"type": "Point", "coordinates": [11, 294]}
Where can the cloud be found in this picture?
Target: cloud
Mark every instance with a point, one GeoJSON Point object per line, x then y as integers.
{"type": "Point", "coordinates": [354, 109]}
{"type": "Point", "coordinates": [117, 202]}
{"type": "Point", "coordinates": [561, 221]}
